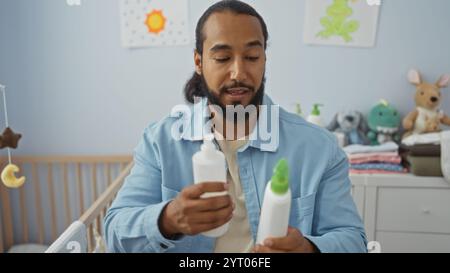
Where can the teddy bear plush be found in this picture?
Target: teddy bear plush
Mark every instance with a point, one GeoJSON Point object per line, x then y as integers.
{"type": "Point", "coordinates": [427, 117]}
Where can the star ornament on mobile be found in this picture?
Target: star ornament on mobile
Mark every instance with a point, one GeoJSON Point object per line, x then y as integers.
{"type": "Point", "coordinates": [9, 140]}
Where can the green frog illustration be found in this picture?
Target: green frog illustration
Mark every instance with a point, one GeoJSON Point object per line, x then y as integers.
{"type": "Point", "coordinates": [336, 21]}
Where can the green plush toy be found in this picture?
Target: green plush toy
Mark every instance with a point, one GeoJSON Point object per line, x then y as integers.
{"type": "Point", "coordinates": [384, 122]}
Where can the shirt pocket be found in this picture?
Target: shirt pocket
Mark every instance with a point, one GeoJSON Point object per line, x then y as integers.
{"type": "Point", "coordinates": [302, 209]}
{"type": "Point", "coordinates": [168, 193]}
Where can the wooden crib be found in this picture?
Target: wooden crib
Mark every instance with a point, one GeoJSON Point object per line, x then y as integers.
{"type": "Point", "coordinates": [59, 190]}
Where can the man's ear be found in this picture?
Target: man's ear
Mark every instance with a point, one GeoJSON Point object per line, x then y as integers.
{"type": "Point", "coordinates": [198, 62]}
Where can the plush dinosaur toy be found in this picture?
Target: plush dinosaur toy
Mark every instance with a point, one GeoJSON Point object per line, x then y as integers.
{"type": "Point", "coordinates": [427, 117]}
{"type": "Point", "coordinates": [384, 122]}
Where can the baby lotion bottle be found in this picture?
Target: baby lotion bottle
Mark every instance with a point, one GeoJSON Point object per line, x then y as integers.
{"type": "Point", "coordinates": [315, 117]}
{"type": "Point", "coordinates": [209, 165]}
{"type": "Point", "coordinates": [276, 206]}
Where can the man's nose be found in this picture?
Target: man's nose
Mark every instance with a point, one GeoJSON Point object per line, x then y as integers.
{"type": "Point", "coordinates": [238, 72]}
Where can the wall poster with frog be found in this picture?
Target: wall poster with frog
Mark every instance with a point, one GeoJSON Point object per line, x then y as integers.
{"type": "Point", "coordinates": [341, 22]}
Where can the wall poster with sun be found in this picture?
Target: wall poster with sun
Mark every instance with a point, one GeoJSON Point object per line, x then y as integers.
{"type": "Point", "coordinates": [341, 22]}
{"type": "Point", "coordinates": [154, 23]}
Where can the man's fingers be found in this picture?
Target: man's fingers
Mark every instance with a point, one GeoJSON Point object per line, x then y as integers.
{"type": "Point", "coordinates": [291, 241]}
{"type": "Point", "coordinates": [214, 203]}
{"type": "Point", "coordinates": [195, 191]}
{"type": "Point", "coordinates": [265, 249]}
{"type": "Point", "coordinates": [207, 204]}
{"type": "Point", "coordinates": [211, 217]}
{"type": "Point", "coordinates": [198, 228]}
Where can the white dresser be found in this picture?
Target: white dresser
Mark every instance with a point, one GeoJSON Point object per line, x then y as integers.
{"type": "Point", "coordinates": [404, 213]}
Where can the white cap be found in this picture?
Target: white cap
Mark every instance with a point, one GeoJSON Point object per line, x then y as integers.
{"type": "Point", "coordinates": [208, 143]}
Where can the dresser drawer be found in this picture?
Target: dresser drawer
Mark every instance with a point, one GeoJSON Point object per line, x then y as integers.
{"type": "Point", "coordinates": [413, 242]}
{"type": "Point", "coordinates": [413, 209]}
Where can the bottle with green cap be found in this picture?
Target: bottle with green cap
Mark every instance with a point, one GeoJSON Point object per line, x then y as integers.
{"type": "Point", "coordinates": [276, 207]}
{"type": "Point", "coordinates": [315, 116]}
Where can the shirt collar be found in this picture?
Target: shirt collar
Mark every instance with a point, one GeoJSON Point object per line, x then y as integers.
{"type": "Point", "coordinates": [194, 128]}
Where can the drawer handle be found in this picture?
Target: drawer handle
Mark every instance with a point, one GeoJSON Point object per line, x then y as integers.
{"type": "Point", "coordinates": [426, 211]}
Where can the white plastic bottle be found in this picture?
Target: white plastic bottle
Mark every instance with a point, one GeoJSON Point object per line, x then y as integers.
{"type": "Point", "coordinates": [209, 166]}
{"type": "Point", "coordinates": [315, 116]}
{"type": "Point", "coordinates": [276, 206]}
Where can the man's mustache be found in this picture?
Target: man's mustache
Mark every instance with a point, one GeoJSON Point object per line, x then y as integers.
{"type": "Point", "coordinates": [237, 85]}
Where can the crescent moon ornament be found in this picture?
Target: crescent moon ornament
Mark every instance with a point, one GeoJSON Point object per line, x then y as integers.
{"type": "Point", "coordinates": [9, 178]}
{"type": "Point", "coordinates": [8, 140]}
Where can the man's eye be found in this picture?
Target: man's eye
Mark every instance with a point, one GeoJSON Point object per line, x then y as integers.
{"type": "Point", "coordinates": [252, 59]}
{"type": "Point", "coordinates": [222, 60]}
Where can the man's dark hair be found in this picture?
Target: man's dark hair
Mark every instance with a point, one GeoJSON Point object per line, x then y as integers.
{"type": "Point", "coordinates": [193, 87]}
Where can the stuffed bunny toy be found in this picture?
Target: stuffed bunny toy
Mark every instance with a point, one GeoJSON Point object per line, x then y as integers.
{"type": "Point", "coordinates": [427, 117]}
{"type": "Point", "coordinates": [353, 125]}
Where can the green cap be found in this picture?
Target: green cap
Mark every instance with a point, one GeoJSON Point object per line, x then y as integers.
{"type": "Point", "coordinates": [316, 110]}
{"type": "Point", "coordinates": [280, 178]}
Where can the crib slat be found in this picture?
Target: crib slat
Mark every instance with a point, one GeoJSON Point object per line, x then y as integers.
{"type": "Point", "coordinates": [2, 243]}
{"type": "Point", "coordinates": [108, 173]}
{"type": "Point", "coordinates": [7, 217]}
{"type": "Point", "coordinates": [51, 191]}
{"type": "Point", "coordinates": [80, 188]}
{"type": "Point", "coordinates": [102, 216]}
{"type": "Point", "coordinates": [2, 248]}
{"type": "Point", "coordinates": [37, 193]}
{"type": "Point", "coordinates": [94, 182]}
{"type": "Point", "coordinates": [23, 208]}
{"type": "Point", "coordinates": [66, 194]}
{"type": "Point", "coordinates": [105, 199]}
{"type": "Point", "coordinates": [98, 224]}
{"type": "Point", "coordinates": [90, 237]}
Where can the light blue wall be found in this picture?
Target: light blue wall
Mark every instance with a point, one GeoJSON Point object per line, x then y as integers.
{"type": "Point", "coordinates": [72, 89]}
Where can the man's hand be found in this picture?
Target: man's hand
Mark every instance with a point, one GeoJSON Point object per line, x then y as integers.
{"type": "Point", "coordinates": [189, 214]}
{"type": "Point", "coordinates": [293, 242]}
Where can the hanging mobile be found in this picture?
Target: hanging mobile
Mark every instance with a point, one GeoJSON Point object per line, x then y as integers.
{"type": "Point", "coordinates": [9, 139]}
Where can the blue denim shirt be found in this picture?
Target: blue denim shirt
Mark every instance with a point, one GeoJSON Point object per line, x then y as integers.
{"type": "Point", "coordinates": [322, 207]}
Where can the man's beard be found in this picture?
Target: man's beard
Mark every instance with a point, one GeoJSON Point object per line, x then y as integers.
{"type": "Point", "coordinates": [236, 113]}
{"type": "Point", "coordinates": [214, 99]}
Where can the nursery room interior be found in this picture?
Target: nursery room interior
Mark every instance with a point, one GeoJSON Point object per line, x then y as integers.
{"type": "Point", "coordinates": [81, 81]}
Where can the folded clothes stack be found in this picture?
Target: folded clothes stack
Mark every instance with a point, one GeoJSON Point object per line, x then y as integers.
{"type": "Point", "coordinates": [381, 159]}
{"type": "Point", "coordinates": [423, 153]}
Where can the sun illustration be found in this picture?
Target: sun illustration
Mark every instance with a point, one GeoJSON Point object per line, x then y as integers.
{"type": "Point", "coordinates": [155, 21]}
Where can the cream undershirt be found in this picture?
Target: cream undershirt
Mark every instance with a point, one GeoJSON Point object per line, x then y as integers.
{"type": "Point", "coordinates": [239, 237]}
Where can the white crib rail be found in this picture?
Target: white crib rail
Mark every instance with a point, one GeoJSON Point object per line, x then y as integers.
{"type": "Point", "coordinates": [57, 187]}
{"type": "Point", "coordinates": [92, 218]}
